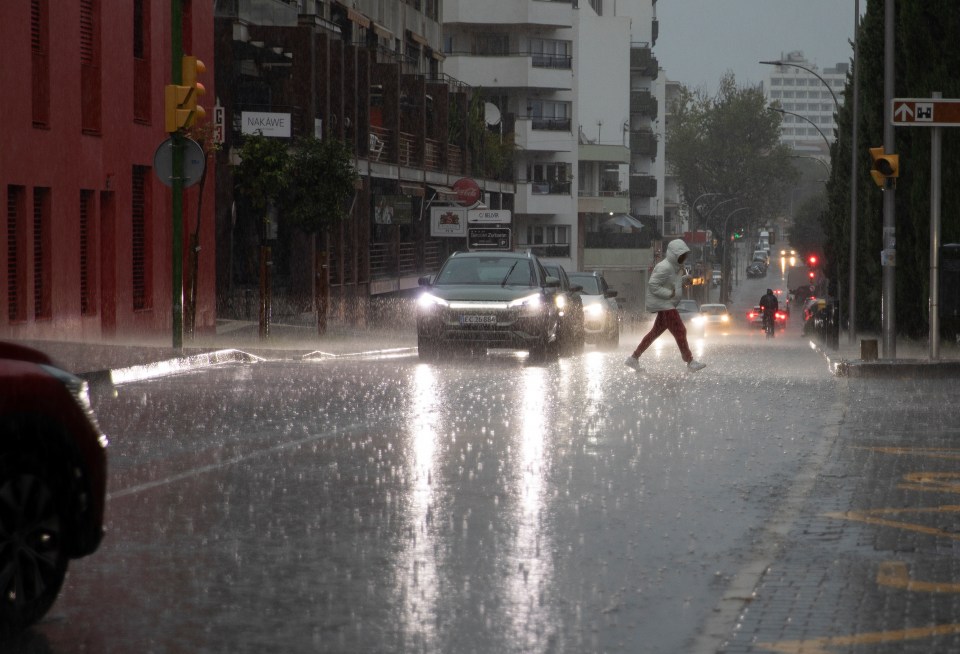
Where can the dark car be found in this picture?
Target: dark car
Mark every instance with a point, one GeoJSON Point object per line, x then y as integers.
{"type": "Point", "coordinates": [489, 299]}
{"type": "Point", "coordinates": [53, 472]}
{"type": "Point", "coordinates": [570, 303]}
{"type": "Point", "coordinates": [601, 313]}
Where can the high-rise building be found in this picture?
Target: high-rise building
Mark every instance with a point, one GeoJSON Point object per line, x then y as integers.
{"type": "Point", "coordinates": [809, 97]}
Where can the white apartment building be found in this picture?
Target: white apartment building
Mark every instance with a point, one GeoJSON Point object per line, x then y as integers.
{"type": "Point", "coordinates": [575, 80]}
{"type": "Point", "coordinates": [809, 102]}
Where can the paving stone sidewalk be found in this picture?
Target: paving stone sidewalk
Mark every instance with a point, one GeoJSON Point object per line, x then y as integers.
{"type": "Point", "coordinates": [870, 563]}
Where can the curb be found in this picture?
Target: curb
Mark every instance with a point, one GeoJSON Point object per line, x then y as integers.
{"type": "Point", "coordinates": [98, 378]}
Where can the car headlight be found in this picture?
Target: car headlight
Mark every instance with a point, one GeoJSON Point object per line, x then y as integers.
{"type": "Point", "coordinates": [428, 302]}
{"type": "Point", "coordinates": [80, 392]}
{"type": "Point", "coordinates": [594, 310]}
{"type": "Point", "coordinates": [529, 304]}
{"type": "Point", "coordinates": [698, 320]}
{"type": "Point", "coordinates": [560, 301]}
{"type": "Point", "coordinates": [724, 318]}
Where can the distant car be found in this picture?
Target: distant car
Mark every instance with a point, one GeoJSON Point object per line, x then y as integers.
{"type": "Point", "coordinates": [53, 480]}
{"type": "Point", "coordinates": [601, 313]}
{"type": "Point", "coordinates": [714, 316]}
{"type": "Point", "coordinates": [755, 270]}
{"type": "Point", "coordinates": [689, 310]}
{"type": "Point", "coordinates": [570, 303]}
{"type": "Point", "coordinates": [715, 278]}
{"type": "Point", "coordinates": [489, 299]}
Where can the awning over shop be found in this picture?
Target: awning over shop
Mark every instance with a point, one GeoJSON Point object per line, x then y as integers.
{"type": "Point", "coordinates": [355, 16]}
{"type": "Point", "coordinates": [382, 31]}
{"type": "Point", "coordinates": [411, 189]}
{"type": "Point", "coordinates": [444, 192]}
{"type": "Point", "coordinates": [623, 220]}
{"type": "Point", "coordinates": [417, 38]}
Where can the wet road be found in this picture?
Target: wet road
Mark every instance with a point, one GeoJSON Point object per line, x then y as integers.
{"type": "Point", "coordinates": [474, 505]}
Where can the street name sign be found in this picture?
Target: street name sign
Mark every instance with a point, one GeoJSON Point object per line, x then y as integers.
{"type": "Point", "coordinates": [925, 112]}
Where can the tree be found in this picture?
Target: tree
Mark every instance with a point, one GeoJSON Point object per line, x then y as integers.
{"type": "Point", "coordinates": [728, 146]}
{"type": "Point", "coordinates": [922, 65]}
{"type": "Point", "coordinates": [321, 179]}
{"type": "Point", "coordinates": [260, 178]}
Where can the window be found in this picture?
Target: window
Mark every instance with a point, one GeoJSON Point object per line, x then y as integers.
{"type": "Point", "coordinates": [141, 264]}
{"type": "Point", "coordinates": [550, 178]}
{"type": "Point", "coordinates": [548, 234]}
{"type": "Point", "coordinates": [141, 61]}
{"type": "Point", "coordinates": [550, 53]}
{"type": "Point", "coordinates": [88, 276]}
{"type": "Point", "coordinates": [90, 66]}
{"type": "Point", "coordinates": [492, 44]}
{"type": "Point", "coordinates": [41, 253]}
{"type": "Point", "coordinates": [40, 62]}
{"type": "Point", "coordinates": [16, 250]}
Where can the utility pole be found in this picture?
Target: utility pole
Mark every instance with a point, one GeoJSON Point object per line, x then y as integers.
{"type": "Point", "coordinates": [176, 56]}
{"type": "Point", "coordinates": [888, 302]}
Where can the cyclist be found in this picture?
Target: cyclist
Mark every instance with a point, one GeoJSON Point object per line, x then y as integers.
{"type": "Point", "coordinates": [769, 305]}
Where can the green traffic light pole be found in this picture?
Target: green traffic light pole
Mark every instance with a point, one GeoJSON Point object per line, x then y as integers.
{"type": "Point", "coordinates": [176, 53]}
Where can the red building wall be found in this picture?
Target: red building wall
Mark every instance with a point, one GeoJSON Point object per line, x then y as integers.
{"type": "Point", "coordinates": [85, 224]}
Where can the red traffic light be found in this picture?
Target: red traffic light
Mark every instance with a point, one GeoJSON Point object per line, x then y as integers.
{"type": "Point", "coordinates": [812, 275]}
{"type": "Point", "coordinates": [812, 260]}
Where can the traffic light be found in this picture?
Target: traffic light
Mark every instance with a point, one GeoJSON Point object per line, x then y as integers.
{"type": "Point", "coordinates": [886, 168]}
{"type": "Point", "coordinates": [180, 108]}
{"type": "Point", "coordinates": [812, 261]}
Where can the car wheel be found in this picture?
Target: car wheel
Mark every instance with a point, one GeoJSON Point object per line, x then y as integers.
{"type": "Point", "coordinates": [33, 561]}
{"type": "Point", "coordinates": [613, 340]}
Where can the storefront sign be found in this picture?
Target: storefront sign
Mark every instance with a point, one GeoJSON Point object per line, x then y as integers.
{"type": "Point", "coordinates": [448, 221]}
{"type": "Point", "coordinates": [267, 124]}
{"type": "Point", "coordinates": [497, 216]}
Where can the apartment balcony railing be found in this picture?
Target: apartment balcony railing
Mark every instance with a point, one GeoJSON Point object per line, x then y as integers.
{"type": "Point", "coordinates": [643, 103]}
{"type": "Point", "coordinates": [550, 188]}
{"type": "Point", "coordinates": [642, 60]}
{"type": "Point", "coordinates": [643, 142]}
{"type": "Point", "coordinates": [551, 124]}
{"type": "Point", "coordinates": [643, 185]}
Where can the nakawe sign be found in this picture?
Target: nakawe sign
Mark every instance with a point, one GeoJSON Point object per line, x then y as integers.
{"type": "Point", "coordinates": [268, 124]}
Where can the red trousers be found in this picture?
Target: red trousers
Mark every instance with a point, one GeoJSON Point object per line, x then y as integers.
{"type": "Point", "coordinates": [667, 320]}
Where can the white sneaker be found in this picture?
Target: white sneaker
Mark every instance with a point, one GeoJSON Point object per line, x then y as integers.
{"type": "Point", "coordinates": [632, 362]}
{"type": "Point", "coordinates": [695, 365]}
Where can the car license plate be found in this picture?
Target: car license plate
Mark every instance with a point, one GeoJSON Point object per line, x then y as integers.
{"type": "Point", "coordinates": [478, 320]}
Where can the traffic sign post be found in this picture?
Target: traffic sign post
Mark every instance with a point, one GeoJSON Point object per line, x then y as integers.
{"type": "Point", "coordinates": [934, 112]}
{"type": "Point", "coordinates": [925, 112]}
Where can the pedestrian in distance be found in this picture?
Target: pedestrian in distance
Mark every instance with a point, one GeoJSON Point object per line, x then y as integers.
{"type": "Point", "coordinates": [663, 295]}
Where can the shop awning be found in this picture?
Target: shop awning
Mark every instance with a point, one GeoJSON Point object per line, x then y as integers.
{"type": "Point", "coordinates": [381, 31]}
{"type": "Point", "coordinates": [623, 220]}
{"type": "Point", "coordinates": [412, 189]}
{"type": "Point", "coordinates": [355, 16]}
{"type": "Point", "coordinates": [417, 38]}
{"type": "Point", "coordinates": [444, 192]}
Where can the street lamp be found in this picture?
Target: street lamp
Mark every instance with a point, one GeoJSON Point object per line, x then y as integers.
{"type": "Point", "coordinates": [817, 159]}
{"type": "Point", "coordinates": [784, 111]}
{"type": "Point", "coordinates": [809, 70]}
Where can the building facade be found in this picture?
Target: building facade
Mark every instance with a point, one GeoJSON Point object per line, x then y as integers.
{"type": "Point", "coordinates": [86, 223]}
{"type": "Point", "coordinates": [368, 73]}
{"type": "Point", "coordinates": [814, 101]}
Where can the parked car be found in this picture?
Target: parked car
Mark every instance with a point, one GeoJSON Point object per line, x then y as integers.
{"type": "Point", "coordinates": [489, 299]}
{"type": "Point", "coordinates": [53, 480]}
{"type": "Point", "coordinates": [714, 316]}
{"type": "Point", "coordinates": [601, 312]}
{"type": "Point", "coordinates": [755, 270]}
{"type": "Point", "coordinates": [715, 278]}
{"type": "Point", "coordinates": [570, 303]}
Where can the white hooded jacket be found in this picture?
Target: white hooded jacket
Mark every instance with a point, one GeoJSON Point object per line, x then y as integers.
{"type": "Point", "coordinates": [665, 288]}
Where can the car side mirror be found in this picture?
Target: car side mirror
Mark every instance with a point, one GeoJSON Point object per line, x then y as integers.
{"type": "Point", "coordinates": [552, 282]}
{"type": "Point", "coordinates": [425, 281]}
{"type": "Point", "coordinates": [576, 288]}
{"type": "Point", "coordinates": [610, 294]}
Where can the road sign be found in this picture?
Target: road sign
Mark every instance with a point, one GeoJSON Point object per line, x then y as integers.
{"type": "Point", "coordinates": [488, 238]}
{"type": "Point", "coordinates": [925, 112]}
{"type": "Point", "coordinates": [194, 162]}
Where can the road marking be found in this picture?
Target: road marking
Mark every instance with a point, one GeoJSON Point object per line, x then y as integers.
{"type": "Point", "coordinates": [875, 517]}
{"type": "Point", "coordinates": [820, 645]}
{"type": "Point", "coordinates": [894, 575]}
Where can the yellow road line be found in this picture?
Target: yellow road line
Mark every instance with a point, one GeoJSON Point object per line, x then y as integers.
{"type": "Point", "coordinates": [821, 645]}
{"type": "Point", "coordinates": [894, 574]}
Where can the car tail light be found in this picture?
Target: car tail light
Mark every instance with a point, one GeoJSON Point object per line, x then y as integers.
{"type": "Point", "coordinates": [780, 315]}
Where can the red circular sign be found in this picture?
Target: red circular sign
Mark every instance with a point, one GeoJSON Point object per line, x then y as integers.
{"type": "Point", "coordinates": [468, 191]}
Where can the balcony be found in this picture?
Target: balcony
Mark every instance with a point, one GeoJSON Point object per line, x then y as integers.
{"type": "Point", "coordinates": [544, 198]}
{"type": "Point", "coordinates": [642, 103]}
{"type": "Point", "coordinates": [542, 135]}
{"type": "Point", "coordinates": [642, 61]}
{"type": "Point", "coordinates": [603, 202]}
{"type": "Point", "coordinates": [555, 14]}
{"type": "Point", "coordinates": [643, 142]}
{"type": "Point", "coordinates": [509, 70]}
{"type": "Point", "coordinates": [643, 186]}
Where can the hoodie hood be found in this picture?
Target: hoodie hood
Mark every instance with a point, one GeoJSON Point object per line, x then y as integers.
{"type": "Point", "coordinates": [675, 248]}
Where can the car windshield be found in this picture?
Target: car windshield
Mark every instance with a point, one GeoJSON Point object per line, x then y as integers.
{"type": "Point", "coordinates": [713, 309]}
{"type": "Point", "coordinates": [492, 270]}
{"type": "Point", "coordinates": [590, 284]}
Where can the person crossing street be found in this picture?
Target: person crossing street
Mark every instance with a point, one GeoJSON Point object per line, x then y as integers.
{"type": "Point", "coordinates": [663, 295]}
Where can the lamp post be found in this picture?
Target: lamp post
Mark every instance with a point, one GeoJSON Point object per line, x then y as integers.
{"type": "Point", "coordinates": [817, 159]}
{"type": "Point", "coordinates": [784, 111]}
{"type": "Point", "coordinates": [809, 70]}
{"type": "Point", "coordinates": [725, 288]}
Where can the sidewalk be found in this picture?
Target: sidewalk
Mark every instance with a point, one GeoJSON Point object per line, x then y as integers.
{"type": "Point", "coordinates": [912, 358]}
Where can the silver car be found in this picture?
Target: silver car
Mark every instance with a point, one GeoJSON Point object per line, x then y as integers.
{"type": "Point", "coordinates": [601, 313]}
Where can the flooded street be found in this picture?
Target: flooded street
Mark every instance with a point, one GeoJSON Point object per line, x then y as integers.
{"type": "Point", "coordinates": [478, 504]}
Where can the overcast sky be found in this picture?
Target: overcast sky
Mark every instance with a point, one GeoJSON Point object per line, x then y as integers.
{"type": "Point", "coordinates": [700, 40]}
